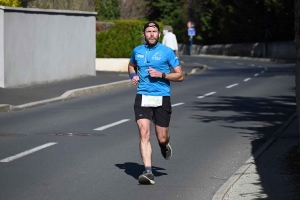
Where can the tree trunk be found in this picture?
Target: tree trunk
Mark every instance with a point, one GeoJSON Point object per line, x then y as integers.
{"type": "Point", "coordinates": [297, 44]}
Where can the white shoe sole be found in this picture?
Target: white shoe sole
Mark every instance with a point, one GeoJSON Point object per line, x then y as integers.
{"type": "Point", "coordinates": [144, 180]}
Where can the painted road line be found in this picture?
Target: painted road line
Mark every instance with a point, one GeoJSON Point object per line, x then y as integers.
{"type": "Point", "coordinates": [111, 125]}
{"type": "Point", "coordinates": [230, 86]}
{"type": "Point", "coordinates": [25, 153]}
{"type": "Point", "coordinates": [262, 72]}
{"type": "Point", "coordinates": [208, 94]}
{"type": "Point", "coordinates": [247, 79]}
{"type": "Point", "coordinates": [177, 104]}
{"type": "Point", "coordinates": [252, 65]}
{"type": "Point", "coordinates": [256, 74]}
{"type": "Point", "coordinates": [211, 93]}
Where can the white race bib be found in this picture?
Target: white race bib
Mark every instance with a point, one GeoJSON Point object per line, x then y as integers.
{"type": "Point", "coordinates": [151, 101]}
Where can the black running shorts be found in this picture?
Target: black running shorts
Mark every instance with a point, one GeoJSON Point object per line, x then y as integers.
{"type": "Point", "coordinates": [160, 116]}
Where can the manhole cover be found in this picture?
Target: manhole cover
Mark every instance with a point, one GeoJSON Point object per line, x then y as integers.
{"type": "Point", "coordinates": [72, 134]}
{"type": "Point", "coordinates": [5, 134]}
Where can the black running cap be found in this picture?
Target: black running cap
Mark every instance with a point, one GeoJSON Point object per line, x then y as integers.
{"type": "Point", "coordinates": [151, 24]}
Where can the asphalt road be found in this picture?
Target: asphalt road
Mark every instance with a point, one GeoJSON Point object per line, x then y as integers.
{"type": "Point", "coordinates": [87, 148]}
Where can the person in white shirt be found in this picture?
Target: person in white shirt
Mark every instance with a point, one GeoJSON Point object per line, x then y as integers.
{"type": "Point", "coordinates": [170, 40]}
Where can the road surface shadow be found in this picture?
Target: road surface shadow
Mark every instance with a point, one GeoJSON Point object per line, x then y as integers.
{"type": "Point", "coordinates": [257, 118]}
{"type": "Point", "coordinates": [135, 169]}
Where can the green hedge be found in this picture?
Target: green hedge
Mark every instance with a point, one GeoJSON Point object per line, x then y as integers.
{"type": "Point", "coordinates": [120, 39]}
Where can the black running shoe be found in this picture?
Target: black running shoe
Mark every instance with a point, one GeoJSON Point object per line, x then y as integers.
{"type": "Point", "coordinates": [166, 151]}
{"type": "Point", "coordinates": [146, 178]}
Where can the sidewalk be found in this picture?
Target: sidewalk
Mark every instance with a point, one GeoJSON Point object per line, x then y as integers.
{"type": "Point", "coordinates": [12, 99]}
{"type": "Point", "coordinates": [268, 174]}
{"type": "Point", "coordinates": [25, 97]}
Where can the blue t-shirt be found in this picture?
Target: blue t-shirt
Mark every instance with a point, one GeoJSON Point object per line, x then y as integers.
{"type": "Point", "coordinates": [160, 58]}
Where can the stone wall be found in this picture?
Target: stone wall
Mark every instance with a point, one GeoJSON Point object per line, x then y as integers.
{"type": "Point", "coordinates": [278, 50]}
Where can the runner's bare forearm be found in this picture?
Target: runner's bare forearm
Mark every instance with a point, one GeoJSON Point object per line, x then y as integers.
{"type": "Point", "coordinates": [177, 76]}
{"type": "Point", "coordinates": [131, 68]}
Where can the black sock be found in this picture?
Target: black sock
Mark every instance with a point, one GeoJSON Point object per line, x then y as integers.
{"type": "Point", "coordinates": [149, 169]}
{"type": "Point", "coordinates": [162, 145]}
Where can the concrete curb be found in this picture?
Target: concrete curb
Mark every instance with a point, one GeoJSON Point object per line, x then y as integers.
{"type": "Point", "coordinates": [4, 108]}
{"type": "Point", "coordinates": [221, 193]}
{"type": "Point", "coordinates": [198, 69]}
{"type": "Point", "coordinates": [70, 94]}
{"type": "Point", "coordinates": [244, 58]}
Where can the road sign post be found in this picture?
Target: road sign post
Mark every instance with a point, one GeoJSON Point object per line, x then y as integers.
{"type": "Point", "coordinates": [191, 33]}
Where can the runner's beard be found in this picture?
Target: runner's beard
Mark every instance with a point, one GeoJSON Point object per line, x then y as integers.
{"type": "Point", "coordinates": [152, 45]}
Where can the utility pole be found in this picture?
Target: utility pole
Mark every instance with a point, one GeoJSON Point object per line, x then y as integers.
{"type": "Point", "coordinates": [266, 32]}
{"type": "Point", "coordinates": [297, 44]}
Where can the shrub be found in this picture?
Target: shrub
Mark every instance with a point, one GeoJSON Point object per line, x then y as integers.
{"type": "Point", "coordinates": [120, 39]}
{"type": "Point", "coordinates": [12, 3]}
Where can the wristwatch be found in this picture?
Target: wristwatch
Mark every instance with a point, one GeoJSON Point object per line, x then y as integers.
{"type": "Point", "coordinates": [163, 75]}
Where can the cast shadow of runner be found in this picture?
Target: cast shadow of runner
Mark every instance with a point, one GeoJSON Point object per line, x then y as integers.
{"type": "Point", "coordinates": [135, 169]}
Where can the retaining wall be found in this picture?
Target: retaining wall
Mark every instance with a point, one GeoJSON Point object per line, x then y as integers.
{"type": "Point", "coordinates": [276, 50]}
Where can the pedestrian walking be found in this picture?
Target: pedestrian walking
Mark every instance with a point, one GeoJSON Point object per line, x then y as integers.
{"type": "Point", "coordinates": [149, 69]}
{"type": "Point", "coordinates": [170, 40]}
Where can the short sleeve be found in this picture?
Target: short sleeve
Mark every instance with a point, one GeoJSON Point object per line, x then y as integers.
{"type": "Point", "coordinates": [132, 58]}
{"type": "Point", "coordinates": [173, 60]}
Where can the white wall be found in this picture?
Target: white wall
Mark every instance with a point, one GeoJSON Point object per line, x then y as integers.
{"type": "Point", "coordinates": [46, 45]}
{"type": "Point", "coordinates": [112, 64]}
{"type": "Point", "coordinates": [1, 48]}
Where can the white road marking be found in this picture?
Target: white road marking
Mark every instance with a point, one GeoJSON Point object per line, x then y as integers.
{"type": "Point", "coordinates": [25, 153]}
{"type": "Point", "coordinates": [252, 65]}
{"type": "Point", "coordinates": [247, 79]}
{"type": "Point", "coordinates": [211, 93]}
{"type": "Point", "coordinates": [256, 74]}
{"type": "Point", "coordinates": [177, 104]}
{"type": "Point", "coordinates": [262, 72]}
{"type": "Point", "coordinates": [111, 125]}
{"type": "Point", "coordinates": [208, 94]}
{"type": "Point", "coordinates": [240, 63]}
{"type": "Point", "coordinates": [230, 86]}
{"type": "Point", "coordinates": [260, 66]}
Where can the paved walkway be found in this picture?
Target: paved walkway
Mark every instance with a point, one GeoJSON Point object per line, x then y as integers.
{"type": "Point", "coordinates": [266, 174]}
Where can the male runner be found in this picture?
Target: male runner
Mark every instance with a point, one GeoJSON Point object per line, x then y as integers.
{"type": "Point", "coordinates": [149, 68]}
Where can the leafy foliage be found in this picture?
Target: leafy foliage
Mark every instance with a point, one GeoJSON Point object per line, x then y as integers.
{"type": "Point", "coordinates": [227, 21]}
{"type": "Point", "coordinates": [234, 21]}
{"type": "Point", "coordinates": [83, 5]}
{"type": "Point", "coordinates": [169, 12]}
{"type": "Point", "coordinates": [217, 21]}
{"type": "Point", "coordinates": [120, 39]}
{"type": "Point", "coordinates": [12, 3]}
{"type": "Point", "coordinates": [107, 9]}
